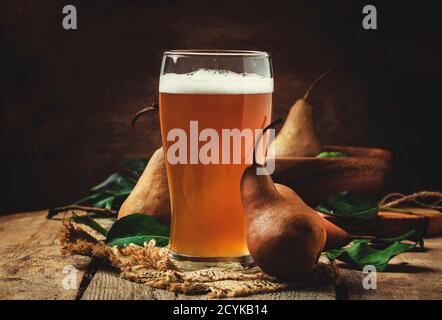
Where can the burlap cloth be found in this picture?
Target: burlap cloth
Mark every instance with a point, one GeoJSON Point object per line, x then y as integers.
{"type": "Point", "coordinates": [152, 266]}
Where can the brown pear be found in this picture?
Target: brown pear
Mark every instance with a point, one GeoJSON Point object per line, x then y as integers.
{"type": "Point", "coordinates": [336, 236]}
{"type": "Point", "coordinates": [151, 193]}
{"type": "Point", "coordinates": [298, 137]}
{"type": "Point", "coordinates": [285, 237]}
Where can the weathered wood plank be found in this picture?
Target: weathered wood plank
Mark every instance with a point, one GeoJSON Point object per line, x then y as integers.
{"type": "Point", "coordinates": [322, 293]}
{"type": "Point", "coordinates": [411, 275]}
{"type": "Point", "coordinates": [31, 266]}
{"type": "Point", "coordinates": [107, 285]}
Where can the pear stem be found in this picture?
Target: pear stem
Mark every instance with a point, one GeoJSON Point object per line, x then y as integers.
{"type": "Point", "coordinates": [153, 107]}
{"type": "Point", "coordinates": [315, 83]}
{"type": "Point", "coordinates": [261, 134]}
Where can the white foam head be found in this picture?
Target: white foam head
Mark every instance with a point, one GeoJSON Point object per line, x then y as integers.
{"type": "Point", "coordinates": [204, 81]}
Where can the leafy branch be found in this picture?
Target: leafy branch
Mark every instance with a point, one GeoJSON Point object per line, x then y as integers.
{"type": "Point", "coordinates": [107, 197]}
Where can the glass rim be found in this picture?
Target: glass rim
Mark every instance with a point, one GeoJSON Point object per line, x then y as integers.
{"type": "Point", "coordinates": [215, 52]}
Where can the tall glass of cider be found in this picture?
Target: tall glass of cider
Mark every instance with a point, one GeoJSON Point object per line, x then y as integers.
{"type": "Point", "coordinates": [210, 102]}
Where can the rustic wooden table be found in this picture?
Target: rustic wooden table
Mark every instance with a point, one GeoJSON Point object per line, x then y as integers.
{"type": "Point", "coordinates": [31, 267]}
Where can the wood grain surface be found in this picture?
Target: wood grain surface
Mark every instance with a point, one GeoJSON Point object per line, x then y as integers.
{"type": "Point", "coordinates": [411, 275]}
{"type": "Point", "coordinates": [31, 267]}
{"type": "Point", "coordinates": [107, 285]}
{"type": "Point", "coordinates": [427, 222]}
{"type": "Point", "coordinates": [362, 171]}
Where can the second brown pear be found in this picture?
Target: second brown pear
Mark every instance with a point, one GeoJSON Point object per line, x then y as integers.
{"type": "Point", "coordinates": [298, 137]}
{"type": "Point", "coordinates": [151, 193]}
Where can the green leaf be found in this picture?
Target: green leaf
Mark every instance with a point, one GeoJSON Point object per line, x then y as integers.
{"type": "Point", "coordinates": [88, 198]}
{"type": "Point", "coordinates": [111, 193]}
{"type": "Point", "coordinates": [116, 182]}
{"type": "Point", "coordinates": [104, 203]}
{"type": "Point", "coordinates": [412, 235]}
{"type": "Point", "coordinates": [136, 225]}
{"type": "Point", "coordinates": [135, 167]}
{"type": "Point", "coordinates": [331, 154]}
{"type": "Point", "coordinates": [361, 253]}
{"type": "Point", "coordinates": [348, 205]}
{"type": "Point", "coordinates": [108, 182]}
{"type": "Point", "coordinates": [88, 221]}
{"type": "Point", "coordinates": [139, 240]}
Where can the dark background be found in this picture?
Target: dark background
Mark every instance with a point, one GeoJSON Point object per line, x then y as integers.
{"type": "Point", "coordinates": [67, 97]}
